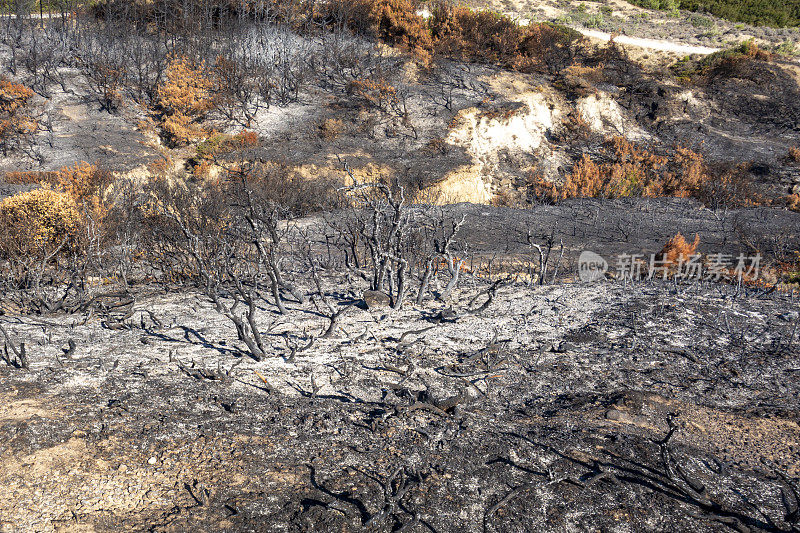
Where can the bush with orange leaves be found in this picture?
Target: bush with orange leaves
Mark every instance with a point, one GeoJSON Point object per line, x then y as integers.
{"type": "Point", "coordinates": [394, 22]}
{"type": "Point", "coordinates": [185, 98]}
{"type": "Point", "coordinates": [15, 123]}
{"type": "Point", "coordinates": [376, 93]}
{"type": "Point", "coordinates": [793, 201]}
{"type": "Point", "coordinates": [457, 32]}
{"type": "Point", "coordinates": [225, 144]}
{"type": "Point", "coordinates": [85, 183]}
{"type": "Point", "coordinates": [678, 249]}
{"type": "Point", "coordinates": [487, 36]}
{"type": "Point", "coordinates": [629, 170]}
{"type": "Point", "coordinates": [673, 257]}
{"type": "Point", "coordinates": [468, 34]}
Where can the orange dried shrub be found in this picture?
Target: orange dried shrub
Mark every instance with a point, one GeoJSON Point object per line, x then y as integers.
{"type": "Point", "coordinates": [37, 222]}
{"type": "Point", "coordinates": [84, 183]}
{"type": "Point", "coordinates": [794, 155]}
{"type": "Point", "coordinates": [630, 170]}
{"type": "Point", "coordinates": [394, 22]}
{"type": "Point", "coordinates": [246, 139]}
{"type": "Point", "coordinates": [223, 143]}
{"type": "Point", "coordinates": [202, 170]}
{"type": "Point", "coordinates": [486, 36]}
{"type": "Point", "coordinates": [161, 165]}
{"type": "Point", "coordinates": [468, 34]}
{"type": "Point", "coordinates": [473, 35]}
{"type": "Point", "coordinates": [13, 96]}
{"type": "Point", "coordinates": [633, 171]}
{"type": "Point", "coordinates": [376, 93]}
{"type": "Point", "coordinates": [678, 249]}
{"type": "Point", "coordinates": [185, 98]}
{"type": "Point", "coordinates": [330, 128]}
{"type": "Point", "coordinates": [28, 178]}
{"type": "Point", "coordinates": [541, 189]}
{"type": "Point", "coordinates": [548, 47]}
{"type": "Point", "coordinates": [693, 174]}
{"type": "Point", "coordinates": [15, 124]}
{"type": "Point", "coordinates": [793, 201]}
{"type": "Point", "coordinates": [584, 181]}
{"type": "Point", "coordinates": [582, 79]}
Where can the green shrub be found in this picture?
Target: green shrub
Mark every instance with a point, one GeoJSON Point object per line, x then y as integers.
{"type": "Point", "coordinates": [784, 13]}
{"type": "Point", "coordinates": [721, 63]}
{"type": "Point", "coordinates": [594, 21]}
{"type": "Point", "coordinates": [699, 21]}
{"type": "Point", "coordinates": [788, 48]}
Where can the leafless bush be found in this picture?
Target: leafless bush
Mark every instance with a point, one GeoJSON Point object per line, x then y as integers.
{"type": "Point", "coordinates": [200, 237]}
{"type": "Point", "coordinates": [233, 240]}
{"type": "Point", "coordinates": [377, 227]}
{"type": "Point", "coordinates": [440, 233]}
{"type": "Point", "coordinates": [14, 356]}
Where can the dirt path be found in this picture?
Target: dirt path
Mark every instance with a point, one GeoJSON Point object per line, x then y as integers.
{"type": "Point", "coordinates": [650, 44]}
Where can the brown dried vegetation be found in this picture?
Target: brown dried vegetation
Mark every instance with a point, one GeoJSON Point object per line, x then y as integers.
{"type": "Point", "coordinates": [459, 32]}
{"type": "Point", "coordinates": [185, 97]}
{"type": "Point", "coordinates": [678, 250]}
{"type": "Point", "coordinates": [15, 122]}
{"type": "Point", "coordinates": [624, 169]}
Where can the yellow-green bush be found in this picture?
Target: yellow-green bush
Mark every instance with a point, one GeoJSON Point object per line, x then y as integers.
{"type": "Point", "coordinates": [38, 221]}
{"type": "Point", "coordinates": [84, 182]}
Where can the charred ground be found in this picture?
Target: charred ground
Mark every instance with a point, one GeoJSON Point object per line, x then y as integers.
{"type": "Point", "coordinates": [645, 405]}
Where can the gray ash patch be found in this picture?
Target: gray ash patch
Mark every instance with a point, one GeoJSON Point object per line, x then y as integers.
{"type": "Point", "coordinates": [544, 413]}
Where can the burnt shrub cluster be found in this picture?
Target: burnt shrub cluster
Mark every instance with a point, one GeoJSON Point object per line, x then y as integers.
{"type": "Point", "coordinates": [623, 169]}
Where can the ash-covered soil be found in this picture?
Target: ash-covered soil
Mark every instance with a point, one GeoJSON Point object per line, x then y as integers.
{"type": "Point", "coordinates": [646, 406]}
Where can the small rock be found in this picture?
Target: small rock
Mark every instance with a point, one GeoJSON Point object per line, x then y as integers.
{"type": "Point", "coordinates": [152, 460]}
{"type": "Point", "coordinates": [375, 299]}
{"type": "Point", "coordinates": [563, 347]}
{"type": "Point", "coordinates": [447, 315]}
{"type": "Point", "coordinates": [791, 316]}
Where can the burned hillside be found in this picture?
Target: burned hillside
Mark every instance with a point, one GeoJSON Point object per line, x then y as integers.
{"type": "Point", "coordinates": [392, 265]}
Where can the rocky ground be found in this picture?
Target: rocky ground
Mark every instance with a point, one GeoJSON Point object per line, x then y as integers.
{"type": "Point", "coordinates": [640, 406]}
